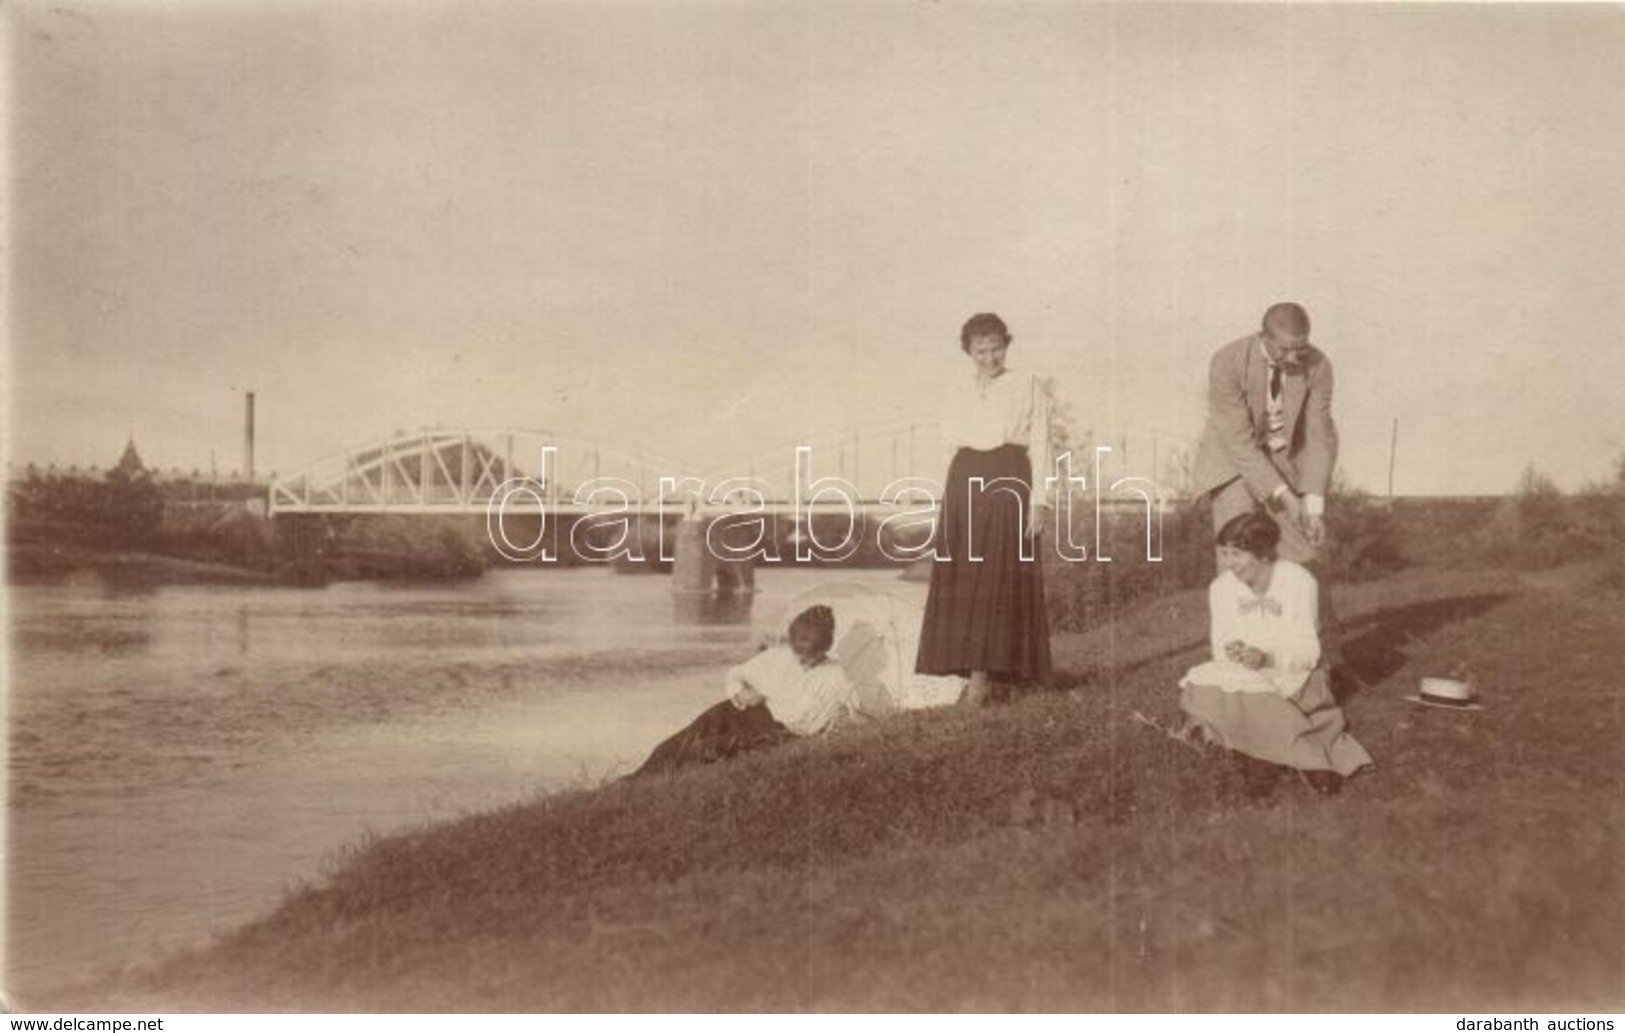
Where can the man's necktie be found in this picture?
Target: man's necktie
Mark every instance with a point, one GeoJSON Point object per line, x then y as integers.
{"type": "Point", "coordinates": [1276, 410]}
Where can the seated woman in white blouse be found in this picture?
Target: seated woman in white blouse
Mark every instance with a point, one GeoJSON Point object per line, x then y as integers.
{"type": "Point", "coordinates": [1265, 694]}
{"type": "Point", "coordinates": [783, 692]}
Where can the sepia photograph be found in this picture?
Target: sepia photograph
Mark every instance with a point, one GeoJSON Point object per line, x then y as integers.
{"type": "Point", "coordinates": [902, 506]}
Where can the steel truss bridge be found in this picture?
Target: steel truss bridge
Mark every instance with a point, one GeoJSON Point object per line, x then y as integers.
{"type": "Point", "coordinates": [441, 471]}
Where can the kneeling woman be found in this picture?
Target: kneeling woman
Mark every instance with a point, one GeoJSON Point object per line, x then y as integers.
{"type": "Point", "coordinates": [1265, 694]}
{"type": "Point", "coordinates": [781, 693]}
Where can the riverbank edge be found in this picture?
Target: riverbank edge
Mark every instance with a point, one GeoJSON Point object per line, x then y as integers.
{"type": "Point", "coordinates": [33, 563]}
{"type": "Point", "coordinates": [569, 883]}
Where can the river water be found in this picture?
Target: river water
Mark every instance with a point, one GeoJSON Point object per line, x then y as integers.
{"type": "Point", "coordinates": [182, 756]}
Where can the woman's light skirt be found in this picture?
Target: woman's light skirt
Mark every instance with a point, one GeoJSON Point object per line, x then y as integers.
{"type": "Point", "coordinates": [1307, 732]}
{"type": "Point", "coordinates": [985, 610]}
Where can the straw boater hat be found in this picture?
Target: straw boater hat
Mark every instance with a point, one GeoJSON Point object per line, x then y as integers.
{"type": "Point", "coordinates": [1446, 692]}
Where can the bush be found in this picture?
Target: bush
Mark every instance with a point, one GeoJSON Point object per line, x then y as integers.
{"type": "Point", "coordinates": [1610, 575]}
{"type": "Point", "coordinates": [410, 547]}
{"type": "Point", "coordinates": [1536, 527]}
{"type": "Point", "coordinates": [1363, 539]}
{"type": "Point", "coordinates": [1085, 593]}
{"type": "Point", "coordinates": [222, 532]}
{"type": "Point", "coordinates": [117, 511]}
{"type": "Point", "coordinates": [1597, 522]}
{"type": "Point", "coordinates": [1080, 595]}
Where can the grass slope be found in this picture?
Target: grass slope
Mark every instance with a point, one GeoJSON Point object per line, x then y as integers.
{"type": "Point", "coordinates": [1056, 853]}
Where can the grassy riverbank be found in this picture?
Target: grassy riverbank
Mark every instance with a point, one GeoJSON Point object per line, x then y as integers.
{"type": "Point", "coordinates": [1057, 852]}
{"type": "Point", "coordinates": [225, 544]}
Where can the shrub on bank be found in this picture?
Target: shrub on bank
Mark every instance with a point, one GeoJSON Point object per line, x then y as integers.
{"type": "Point", "coordinates": [1538, 527]}
{"type": "Point", "coordinates": [409, 547]}
{"type": "Point", "coordinates": [1362, 534]}
{"type": "Point", "coordinates": [225, 533]}
{"type": "Point", "coordinates": [118, 510]}
{"type": "Point", "coordinates": [1085, 593]}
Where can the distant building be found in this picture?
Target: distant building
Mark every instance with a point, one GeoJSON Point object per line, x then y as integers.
{"type": "Point", "coordinates": [129, 464]}
{"type": "Point", "coordinates": [189, 485]}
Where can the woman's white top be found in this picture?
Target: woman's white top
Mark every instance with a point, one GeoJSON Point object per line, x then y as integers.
{"type": "Point", "coordinates": [806, 700]}
{"type": "Point", "coordinates": [1282, 622]}
{"type": "Point", "coordinates": [1013, 408]}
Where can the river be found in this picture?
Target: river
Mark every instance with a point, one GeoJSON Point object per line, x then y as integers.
{"type": "Point", "coordinates": [182, 756]}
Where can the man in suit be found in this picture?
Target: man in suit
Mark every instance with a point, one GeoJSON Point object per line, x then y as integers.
{"type": "Point", "coordinates": [1270, 439]}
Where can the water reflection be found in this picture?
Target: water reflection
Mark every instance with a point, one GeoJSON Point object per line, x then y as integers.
{"type": "Point", "coordinates": [713, 607]}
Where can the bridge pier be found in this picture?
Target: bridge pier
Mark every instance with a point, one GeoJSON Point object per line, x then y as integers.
{"type": "Point", "coordinates": [706, 587]}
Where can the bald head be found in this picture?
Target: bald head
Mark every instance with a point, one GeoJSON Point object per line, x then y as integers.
{"type": "Point", "coordinates": [1286, 334]}
{"type": "Point", "coordinates": [1286, 319]}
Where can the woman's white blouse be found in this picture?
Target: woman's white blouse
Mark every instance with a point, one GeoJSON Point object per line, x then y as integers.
{"type": "Point", "coordinates": [1282, 622]}
{"type": "Point", "coordinates": [1011, 409]}
{"type": "Point", "coordinates": [806, 700]}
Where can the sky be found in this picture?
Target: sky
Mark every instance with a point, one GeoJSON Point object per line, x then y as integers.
{"type": "Point", "coordinates": [713, 227]}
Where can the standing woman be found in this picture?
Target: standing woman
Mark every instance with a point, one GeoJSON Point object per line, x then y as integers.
{"type": "Point", "coordinates": [985, 617]}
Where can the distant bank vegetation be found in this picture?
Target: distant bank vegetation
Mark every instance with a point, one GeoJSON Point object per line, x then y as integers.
{"type": "Point", "coordinates": [124, 521]}
{"type": "Point", "coordinates": [1535, 527]}
{"type": "Point", "coordinates": [60, 522]}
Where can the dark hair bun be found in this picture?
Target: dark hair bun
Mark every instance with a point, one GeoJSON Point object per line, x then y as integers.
{"type": "Point", "coordinates": [820, 620]}
{"type": "Point", "coordinates": [1254, 532]}
{"type": "Point", "coordinates": [818, 615]}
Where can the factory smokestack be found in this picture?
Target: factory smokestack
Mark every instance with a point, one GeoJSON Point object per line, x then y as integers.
{"type": "Point", "coordinates": [248, 435]}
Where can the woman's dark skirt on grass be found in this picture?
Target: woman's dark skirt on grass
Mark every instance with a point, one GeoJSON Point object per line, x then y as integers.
{"type": "Point", "coordinates": [986, 614]}
{"type": "Point", "coordinates": [721, 732]}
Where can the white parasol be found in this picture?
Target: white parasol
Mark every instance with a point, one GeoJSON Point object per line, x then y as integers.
{"type": "Point", "coordinates": [877, 634]}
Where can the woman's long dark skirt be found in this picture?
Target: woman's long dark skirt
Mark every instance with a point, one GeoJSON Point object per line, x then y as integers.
{"type": "Point", "coordinates": [986, 614]}
{"type": "Point", "coordinates": [721, 732]}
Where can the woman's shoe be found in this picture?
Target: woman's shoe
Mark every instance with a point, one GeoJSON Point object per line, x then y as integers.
{"type": "Point", "coordinates": [1326, 783]}
{"type": "Point", "coordinates": [1258, 777]}
{"type": "Point", "coordinates": [976, 695]}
